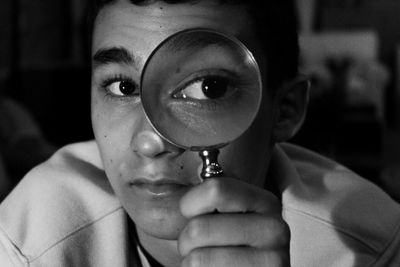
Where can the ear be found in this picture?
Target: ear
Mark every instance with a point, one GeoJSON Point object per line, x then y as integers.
{"type": "Point", "coordinates": [291, 102]}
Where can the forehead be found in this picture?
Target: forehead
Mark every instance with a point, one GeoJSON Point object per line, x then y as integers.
{"type": "Point", "coordinates": [140, 29]}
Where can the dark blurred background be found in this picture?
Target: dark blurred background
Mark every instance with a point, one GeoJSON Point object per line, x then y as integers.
{"type": "Point", "coordinates": [43, 61]}
{"type": "Point", "coordinates": [44, 82]}
{"type": "Point", "coordinates": [350, 49]}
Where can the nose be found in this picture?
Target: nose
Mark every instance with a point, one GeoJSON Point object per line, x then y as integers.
{"type": "Point", "coordinates": [147, 143]}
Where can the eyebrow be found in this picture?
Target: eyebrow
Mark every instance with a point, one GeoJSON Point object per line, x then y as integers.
{"type": "Point", "coordinates": [113, 55]}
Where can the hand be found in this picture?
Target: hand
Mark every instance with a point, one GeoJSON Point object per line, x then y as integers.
{"type": "Point", "coordinates": [232, 223]}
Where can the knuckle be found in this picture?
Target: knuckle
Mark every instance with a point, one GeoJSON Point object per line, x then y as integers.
{"type": "Point", "coordinates": [183, 244]}
{"type": "Point", "coordinates": [191, 235]}
{"type": "Point", "coordinates": [282, 233]}
{"type": "Point", "coordinates": [196, 258]}
{"type": "Point", "coordinates": [283, 260]}
{"type": "Point", "coordinates": [277, 233]}
{"type": "Point", "coordinates": [256, 235]}
{"type": "Point", "coordinates": [215, 189]}
{"type": "Point", "coordinates": [278, 259]}
{"type": "Point", "coordinates": [196, 228]}
{"type": "Point", "coordinates": [285, 233]}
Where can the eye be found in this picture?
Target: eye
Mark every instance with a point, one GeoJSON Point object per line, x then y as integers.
{"type": "Point", "coordinates": [121, 87]}
{"type": "Point", "coordinates": [211, 87]}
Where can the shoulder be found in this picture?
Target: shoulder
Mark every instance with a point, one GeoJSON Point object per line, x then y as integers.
{"type": "Point", "coordinates": [332, 210]}
{"type": "Point", "coordinates": [56, 200]}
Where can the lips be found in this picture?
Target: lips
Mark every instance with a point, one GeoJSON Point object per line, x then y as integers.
{"type": "Point", "coordinates": [160, 187]}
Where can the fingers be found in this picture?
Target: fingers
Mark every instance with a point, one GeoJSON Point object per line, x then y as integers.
{"type": "Point", "coordinates": [247, 228]}
{"type": "Point", "coordinates": [232, 257]}
{"type": "Point", "coordinates": [227, 195]}
{"type": "Point", "coordinates": [218, 230]}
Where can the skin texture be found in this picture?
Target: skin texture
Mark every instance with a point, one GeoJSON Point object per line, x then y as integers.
{"type": "Point", "coordinates": [181, 229]}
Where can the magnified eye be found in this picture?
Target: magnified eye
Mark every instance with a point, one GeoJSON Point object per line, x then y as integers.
{"type": "Point", "coordinates": [121, 87]}
{"type": "Point", "coordinates": [210, 87]}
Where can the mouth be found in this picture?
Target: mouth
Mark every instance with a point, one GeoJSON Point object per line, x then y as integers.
{"type": "Point", "coordinates": [159, 188]}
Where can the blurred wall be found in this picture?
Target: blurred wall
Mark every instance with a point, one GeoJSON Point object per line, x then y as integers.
{"type": "Point", "coordinates": [50, 74]}
{"type": "Point", "coordinates": [382, 16]}
{"type": "Point", "coordinates": [45, 33]}
{"type": "Point", "coordinates": [365, 14]}
{"type": "Point", "coordinates": [5, 32]}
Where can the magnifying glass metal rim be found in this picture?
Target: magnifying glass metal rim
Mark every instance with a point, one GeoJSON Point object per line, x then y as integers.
{"type": "Point", "coordinates": [145, 105]}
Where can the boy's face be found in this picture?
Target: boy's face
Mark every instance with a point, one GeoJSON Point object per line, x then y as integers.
{"type": "Point", "coordinates": [149, 175]}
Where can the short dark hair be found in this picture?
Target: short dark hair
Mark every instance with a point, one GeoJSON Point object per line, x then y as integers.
{"type": "Point", "coordinates": [275, 24]}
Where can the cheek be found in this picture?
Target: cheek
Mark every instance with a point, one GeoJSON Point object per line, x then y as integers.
{"type": "Point", "coordinates": [113, 132]}
{"type": "Point", "coordinates": [106, 140]}
{"type": "Point", "coordinates": [247, 157]}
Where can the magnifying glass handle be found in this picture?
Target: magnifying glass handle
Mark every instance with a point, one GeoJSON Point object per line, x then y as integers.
{"type": "Point", "coordinates": [211, 167]}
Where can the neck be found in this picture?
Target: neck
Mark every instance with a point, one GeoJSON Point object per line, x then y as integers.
{"type": "Point", "coordinates": [163, 251]}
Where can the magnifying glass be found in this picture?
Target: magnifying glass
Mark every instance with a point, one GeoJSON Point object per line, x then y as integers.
{"type": "Point", "coordinates": [200, 90]}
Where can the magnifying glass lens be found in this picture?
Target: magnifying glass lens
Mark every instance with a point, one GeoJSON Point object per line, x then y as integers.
{"type": "Point", "coordinates": [201, 88]}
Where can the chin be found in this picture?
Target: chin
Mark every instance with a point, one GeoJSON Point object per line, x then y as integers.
{"type": "Point", "coordinates": [160, 223]}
